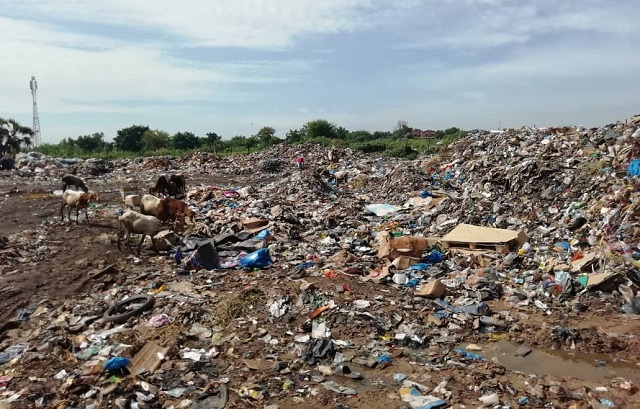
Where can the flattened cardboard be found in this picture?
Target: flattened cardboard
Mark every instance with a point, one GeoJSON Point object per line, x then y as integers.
{"type": "Point", "coordinates": [147, 359]}
{"type": "Point", "coordinates": [468, 233]}
{"type": "Point", "coordinates": [580, 263]}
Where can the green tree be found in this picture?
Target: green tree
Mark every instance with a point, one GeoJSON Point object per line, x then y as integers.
{"type": "Point", "coordinates": [155, 139]}
{"type": "Point", "coordinates": [238, 141]}
{"type": "Point", "coordinates": [13, 136]}
{"type": "Point", "coordinates": [402, 130]}
{"type": "Point", "coordinates": [251, 143]}
{"type": "Point", "coordinates": [381, 134]}
{"type": "Point", "coordinates": [360, 136]}
{"type": "Point", "coordinates": [342, 133]}
{"type": "Point", "coordinates": [294, 136]}
{"type": "Point", "coordinates": [91, 143]}
{"type": "Point", "coordinates": [451, 131]}
{"type": "Point", "coordinates": [185, 141]}
{"type": "Point", "coordinates": [321, 128]}
{"type": "Point", "coordinates": [213, 140]}
{"type": "Point", "coordinates": [130, 139]}
{"type": "Point", "coordinates": [266, 135]}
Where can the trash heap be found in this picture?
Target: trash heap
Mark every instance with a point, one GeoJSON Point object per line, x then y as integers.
{"type": "Point", "coordinates": [457, 279]}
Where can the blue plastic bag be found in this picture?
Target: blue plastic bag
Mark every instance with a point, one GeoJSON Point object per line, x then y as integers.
{"type": "Point", "coordinates": [434, 257]}
{"type": "Point", "coordinates": [116, 363]}
{"type": "Point", "coordinates": [258, 259]}
{"type": "Point", "coordinates": [420, 266]}
{"type": "Point", "coordinates": [468, 355]}
{"type": "Point", "coordinates": [634, 168]}
{"type": "Point", "coordinates": [263, 235]}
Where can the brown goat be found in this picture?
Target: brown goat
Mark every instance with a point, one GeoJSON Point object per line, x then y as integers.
{"type": "Point", "coordinates": [171, 209]}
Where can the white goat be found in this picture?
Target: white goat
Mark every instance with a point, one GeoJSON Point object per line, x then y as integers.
{"type": "Point", "coordinates": [77, 200]}
{"type": "Point", "coordinates": [130, 200]}
{"type": "Point", "coordinates": [149, 205]}
{"type": "Point", "coordinates": [137, 223]}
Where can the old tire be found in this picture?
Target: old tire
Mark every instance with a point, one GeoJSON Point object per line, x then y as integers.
{"type": "Point", "coordinates": [119, 312]}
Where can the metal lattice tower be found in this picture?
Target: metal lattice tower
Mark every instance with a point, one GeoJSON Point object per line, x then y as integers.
{"type": "Point", "coordinates": [33, 84]}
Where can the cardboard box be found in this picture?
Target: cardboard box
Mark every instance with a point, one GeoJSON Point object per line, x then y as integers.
{"type": "Point", "coordinates": [394, 247]}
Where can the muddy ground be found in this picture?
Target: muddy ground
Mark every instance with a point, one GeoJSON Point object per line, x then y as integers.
{"type": "Point", "coordinates": [56, 273]}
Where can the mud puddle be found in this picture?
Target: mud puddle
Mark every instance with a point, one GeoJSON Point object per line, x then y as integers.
{"type": "Point", "coordinates": [575, 364]}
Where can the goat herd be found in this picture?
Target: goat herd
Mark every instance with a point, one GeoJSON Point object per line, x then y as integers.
{"type": "Point", "coordinates": [156, 207]}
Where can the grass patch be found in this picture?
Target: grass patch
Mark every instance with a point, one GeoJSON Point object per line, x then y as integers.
{"type": "Point", "coordinates": [237, 305]}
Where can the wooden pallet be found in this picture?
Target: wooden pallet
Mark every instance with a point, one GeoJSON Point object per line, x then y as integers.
{"type": "Point", "coordinates": [497, 247]}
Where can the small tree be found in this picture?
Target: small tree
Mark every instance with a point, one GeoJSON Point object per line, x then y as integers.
{"type": "Point", "coordinates": [185, 141]}
{"type": "Point", "coordinates": [266, 135]}
{"type": "Point", "coordinates": [13, 136]}
{"type": "Point", "coordinates": [213, 139]}
{"type": "Point", "coordinates": [251, 143]}
{"type": "Point", "coordinates": [360, 136]}
{"type": "Point", "coordinates": [321, 128]}
{"type": "Point", "coordinates": [402, 130]}
{"type": "Point", "coordinates": [130, 139]}
{"type": "Point", "coordinates": [91, 143]}
{"type": "Point", "coordinates": [294, 136]}
{"type": "Point", "coordinates": [238, 141]}
{"type": "Point", "coordinates": [155, 139]}
{"type": "Point", "coordinates": [342, 133]}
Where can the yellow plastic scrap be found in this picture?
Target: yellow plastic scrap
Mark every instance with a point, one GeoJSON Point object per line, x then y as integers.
{"type": "Point", "coordinates": [159, 290]}
{"type": "Point", "coordinates": [498, 336]}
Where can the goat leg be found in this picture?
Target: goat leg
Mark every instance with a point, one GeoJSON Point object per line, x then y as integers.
{"type": "Point", "coordinates": [142, 237]}
{"type": "Point", "coordinates": [153, 244]}
{"type": "Point", "coordinates": [62, 210]}
{"type": "Point", "coordinates": [118, 237]}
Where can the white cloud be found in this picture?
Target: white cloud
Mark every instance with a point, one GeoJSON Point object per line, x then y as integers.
{"type": "Point", "coordinates": [265, 24]}
{"type": "Point", "coordinates": [84, 73]}
{"type": "Point", "coordinates": [477, 25]}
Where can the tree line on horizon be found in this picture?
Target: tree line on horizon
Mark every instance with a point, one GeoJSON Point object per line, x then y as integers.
{"type": "Point", "coordinates": [141, 140]}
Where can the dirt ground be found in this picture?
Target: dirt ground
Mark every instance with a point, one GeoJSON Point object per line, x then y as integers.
{"type": "Point", "coordinates": [60, 276]}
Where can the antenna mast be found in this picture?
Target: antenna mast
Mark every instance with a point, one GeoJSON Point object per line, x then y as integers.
{"type": "Point", "coordinates": [33, 84]}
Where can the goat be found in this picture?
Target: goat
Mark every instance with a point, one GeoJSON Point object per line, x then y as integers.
{"type": "Point", "coordinates": [149, 204]}
{"type": "Point", "coordinates": [137, 223]}
{"type": "Point", "coordinates": [170, 209]}
{"type": "Point", "coordinates": [69, 179]}
{"type": "Point", "coordinates": [163, 187]}
{"type": "Point", "coordinates": [130, 200]}
{"type": "Point", "coordinates": [78, 200]}
{"type": "Point", "coordinates": [340, 176]}
{"type": "Point", "coordinates": [179, 181]}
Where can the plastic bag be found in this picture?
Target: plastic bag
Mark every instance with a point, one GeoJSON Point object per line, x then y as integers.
{"type": "Point", "coordinates": [258, 259]}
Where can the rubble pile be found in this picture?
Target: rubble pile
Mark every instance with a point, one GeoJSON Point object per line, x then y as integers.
{"type": "Point", "coordinates": [466, 279]}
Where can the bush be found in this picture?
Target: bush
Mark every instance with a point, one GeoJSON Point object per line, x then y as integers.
{"type": "Point", "coordinates": [371, 147]}
{"type": "Point", "coordinates": [406, 152]}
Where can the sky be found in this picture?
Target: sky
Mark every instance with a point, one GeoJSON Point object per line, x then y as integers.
{"type": "Point", "coordinates": [232, 67]}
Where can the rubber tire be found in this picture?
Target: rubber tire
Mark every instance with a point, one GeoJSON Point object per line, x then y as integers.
{"type": "Point", "coordinates": [121, 318]}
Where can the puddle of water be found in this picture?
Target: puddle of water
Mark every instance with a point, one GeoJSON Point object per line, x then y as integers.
{"type": "Point", "coordinates": [560, 363]}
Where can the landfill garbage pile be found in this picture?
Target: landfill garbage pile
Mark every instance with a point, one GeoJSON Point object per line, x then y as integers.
{"type": "Point", "coordinates": [501, 272]}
